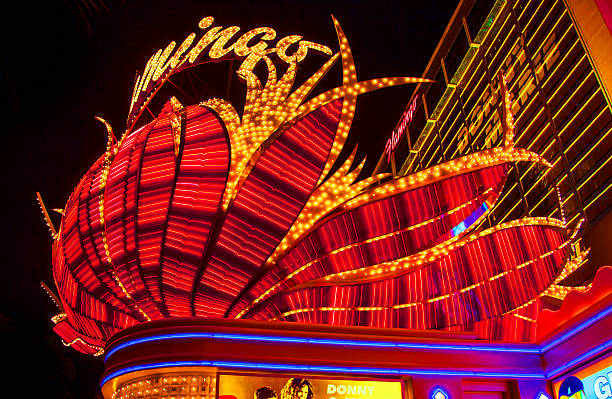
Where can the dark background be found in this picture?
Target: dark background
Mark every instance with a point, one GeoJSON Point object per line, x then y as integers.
{"type": "Point", "coordinates": [62, 62]}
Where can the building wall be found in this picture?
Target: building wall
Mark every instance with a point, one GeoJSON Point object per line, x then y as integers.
{"type": "Point", "coordinates": [560, 106]}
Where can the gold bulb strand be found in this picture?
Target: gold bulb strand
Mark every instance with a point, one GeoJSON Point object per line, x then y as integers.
{"type": "Point", "coordinates": [349, 78]}
{"type": "Point", "coordinates": [435, 299]}
{"type": "Point", "coordinates": [527, 319]}
{"type": "Point", "coordinates": [471, 162]}
{"type": "Point", "coordinates": [468, 163]}
{"type": "Point", "coordinates": [277, 285]}
{"type": "Point", "coordinates": [176, 120]}
{"type": "Point", "coordinates": [99, 350]}
{"type": "Point", "coordinates": [52, 295]}
{"type": "Point", "coordinates": [577, 229]}
{"type": "Point", "coordinates": [556, 291]}
{"type": "Point", "coordinates": [401, 266]}
{"type": "Point", "coordinates": [355, 89]}
{"type": "Point", "coordinates": [238, 149]}
{"type": "Point", "coordinates": [46, 217]}
{"type": "Point", "coordinates": [298, 96]}
{"type": "Point", "coordinates": [571, 266]}
{"type": "Point", "coordinates": [111, 151]}
{"type": "Point", "coordinates": [110, 138]}
{"type": "Point", "coordinates": [59, 318]}
{"type": "Point", "coordinates": [338, 188]}
{"type": "Point", "coordinates": [266, 109]}
{"type": "Point", "coordinates": [560, 292]}
{"type": "Point", "coordinates": [263, 114]}
{"type": "Point", "coordinates": [507, 116]}
{"type": "Point", "coordinates": [560, 202]}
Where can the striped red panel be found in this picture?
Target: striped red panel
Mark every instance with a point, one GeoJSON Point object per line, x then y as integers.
{"type": "Point", "coordinates": [154, 195]}
{"type": "Point", "coordinates": [348, 233]}
{"type": "Point", "coordinates": [125, 253]}
{"type": "Point", "coordinates": [195, 203]}
{"type": "Point", "coordinates": [65, 330]}
{"type": "Point", "coordinates": [266, 205]}
{"type": "Point", "coordinates": [517, 326]}
{"type": "Point", "coordinates": [477, 281]}
{"type": "Point", "coordinates": [90, 234]}
{"type": "Point", "coordinates": [78, 301]}
{"type": "Point", "coordinates": [142, 225]}
{"type": "Point", "coordinates": [78, 251]}
{"type": "Point", "coordinates": [115, 205]}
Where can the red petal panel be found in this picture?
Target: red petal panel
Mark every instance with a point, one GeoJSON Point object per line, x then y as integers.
{"type": "Point", "coordinates": [385, 230]}
{"type": "Point", "coordinates": [266, 206]}
{"type": "Point", "coordinates": [76, 339]}
{"type": "Point", "coordinates": [195, 203]}
{"type": "Point", "coordinates": [157, 173]}
{"type": "Point", "coordinates": [482, 279]}
{"type": "Point", "coordinates": [124, 248]}
{"type": "Point", "coordinates": [79, 252]}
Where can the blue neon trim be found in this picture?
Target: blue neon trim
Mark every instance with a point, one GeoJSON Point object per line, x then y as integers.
{"type": "Point", "coordinates": [576, 329]}
{"type": "Point", "coordinates": [579, 359]}
{"type": "Point", "coordinates": [359, 370]}
{"type": "Point", "coordinates": [307, 368]}
{"type": "Point", "coordinates": [458, 229]}
{"type": "Point", "coordinates": [470, 220]}
{"type": "Point", "coordinates": [318, 341]}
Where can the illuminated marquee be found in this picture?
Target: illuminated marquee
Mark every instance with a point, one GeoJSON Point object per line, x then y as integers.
{"type": "Point", "coordinates": [206, 212]}
{"type": "Point", "coordinates": [591, 382]}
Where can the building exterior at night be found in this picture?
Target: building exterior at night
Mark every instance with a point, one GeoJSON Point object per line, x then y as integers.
{"type": "Point", "coordinates": [215, 254]}
{"type": "Point", "coordinates": [556, 57]}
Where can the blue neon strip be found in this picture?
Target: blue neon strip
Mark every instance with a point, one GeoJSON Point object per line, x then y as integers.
{"type": "Point", "coordinates": [579, 359]}
{"type": "Point", "coordinates": [470, 220]}
{"type": "Point", "coordinates": [576, 329]}
{"type": "Point", "coordinates": [458, 229]}
{"type": "Point", "coordinates": [323, 369]}
{"type": "Point", "coordinates": [319, 341]}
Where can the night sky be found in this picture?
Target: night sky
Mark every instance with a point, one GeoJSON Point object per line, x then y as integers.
{"type": "Point", "coordinates": [62, 62]}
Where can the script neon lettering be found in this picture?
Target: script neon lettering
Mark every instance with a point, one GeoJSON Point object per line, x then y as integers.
{"type": "Point", "coordinates": [391, 144]}
{"type": "Point", "coordinates": [162, 63]}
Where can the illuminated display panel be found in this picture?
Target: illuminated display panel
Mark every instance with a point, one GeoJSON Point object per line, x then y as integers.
{"type": "Point", "coordinates": [590, 382]}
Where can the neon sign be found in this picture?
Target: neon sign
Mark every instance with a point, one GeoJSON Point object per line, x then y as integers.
{"type": "Point", "coordinates": [252, 46]}
{"type": "Point", "coordinates": [401, 129]}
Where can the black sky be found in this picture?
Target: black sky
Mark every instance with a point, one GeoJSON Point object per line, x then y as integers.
{"type": "Point", "coordinates": [62, 62]}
